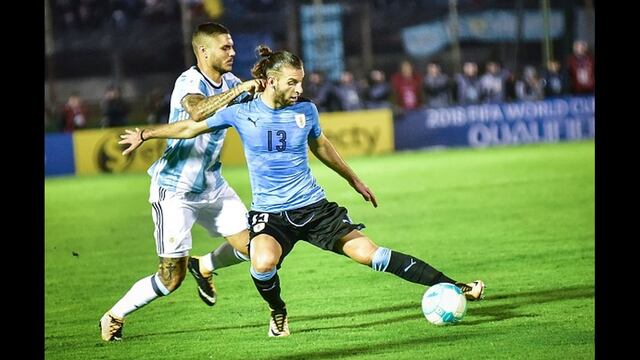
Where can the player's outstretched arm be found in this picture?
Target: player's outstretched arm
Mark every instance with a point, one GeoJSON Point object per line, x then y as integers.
{"type": "Point", "coordinates": [200, 107]}
{"type": "Point", "coordinates": [322, 148]}
{"type": "Point", "coordinates": [184, 129]}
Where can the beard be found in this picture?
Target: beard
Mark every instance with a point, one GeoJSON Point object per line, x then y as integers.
{"type": "Point", "coordinates": [221, 67]}
{"type": "Point", "coordinates": [282, 99]}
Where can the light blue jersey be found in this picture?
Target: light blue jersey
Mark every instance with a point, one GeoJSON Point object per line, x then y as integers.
{"type": "Point", "coordinates": [192, 165]}
{"type": "Point", "coordinates": [275, 145]}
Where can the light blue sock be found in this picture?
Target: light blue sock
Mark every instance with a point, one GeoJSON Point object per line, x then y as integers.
{"type": "Point", "coordinates": [381, 259]}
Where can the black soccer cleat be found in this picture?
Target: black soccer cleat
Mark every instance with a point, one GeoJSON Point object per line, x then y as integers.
{"type": "Point", "coordinates": [206, 288]}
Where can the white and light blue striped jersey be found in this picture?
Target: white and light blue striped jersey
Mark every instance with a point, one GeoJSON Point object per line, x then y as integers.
{"type": "Point", "coordinates": [192, 165]}
{"type": "Point", "coordinates": [275, 145]}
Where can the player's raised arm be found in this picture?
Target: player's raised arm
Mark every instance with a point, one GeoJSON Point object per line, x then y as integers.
{"type": "Point", "coordinates": [322, 148]}
{"type": "Point", "coordinates": [200, 107]}
{"type": "Point", "coordinates": [184, 129]}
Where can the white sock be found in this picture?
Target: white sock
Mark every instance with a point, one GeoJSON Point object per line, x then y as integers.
{"type": "Point", "coordinates": [206, 263]}
{"type": "Point", "coordinates": [141, 293]}
{"type": "Point", "coordinates": [225, 255]}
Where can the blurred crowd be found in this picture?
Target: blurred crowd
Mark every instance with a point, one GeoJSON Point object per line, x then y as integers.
{"type": "Point", "coordinates": [75, 15]}
{"type": "Point", "coordinates": [406, 89]}
{"type": "Point", "coordinates": [79, 15]}
{"type": "Point", "coordinates": [409, 89]}
{"type": "Point", "coordinates": [113, 110]}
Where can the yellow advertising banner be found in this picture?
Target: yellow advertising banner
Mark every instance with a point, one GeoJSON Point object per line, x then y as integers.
{"type": "Point", "coordinates": [98, 151]}
{"type": "Point", "coordinates": [354, 133]}
{"type": "Point", "coordinates": [359, 133]}
{"type": "Point", "coordinates": [232, 152]}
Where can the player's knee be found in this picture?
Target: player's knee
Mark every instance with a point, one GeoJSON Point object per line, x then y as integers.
{"type": "Point", "coordinates": [361, 251]}
{"type": "Point", "coordinates": [240, 242]}
{"type": "Point", "coordinates": [363, 256]}
{"type": "Point", "coordinates": [264, 262]}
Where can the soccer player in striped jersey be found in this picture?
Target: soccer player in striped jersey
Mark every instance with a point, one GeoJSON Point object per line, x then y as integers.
{"type": "Point", "coordinates": [187, 185]}
{"type": "Point", "coordinates": [288, 205]}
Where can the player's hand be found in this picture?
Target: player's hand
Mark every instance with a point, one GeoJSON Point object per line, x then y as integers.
{"type": "Point", "coordinates": [132, 138]}
{"type": "Point", "coordinates": [254, 86]}
{"type": "Point", "coordinates": [366, 193]}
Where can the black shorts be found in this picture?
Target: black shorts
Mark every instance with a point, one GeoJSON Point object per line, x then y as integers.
{"type": "Point", "coordinates": [321, 224]}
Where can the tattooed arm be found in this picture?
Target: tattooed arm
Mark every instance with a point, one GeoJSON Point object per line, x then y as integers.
{"type": "Point", "coordinates": [200, 107]}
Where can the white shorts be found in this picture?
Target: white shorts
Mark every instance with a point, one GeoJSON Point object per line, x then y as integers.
{"type": "Point", "coordinates": [220, 211]}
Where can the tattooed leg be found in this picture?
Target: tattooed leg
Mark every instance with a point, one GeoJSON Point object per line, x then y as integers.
{"type": "Point", "coordinates": [172, 271]}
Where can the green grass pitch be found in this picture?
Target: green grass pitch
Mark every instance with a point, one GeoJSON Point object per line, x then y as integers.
{"type": "Point", "coordinates": [519, 218]}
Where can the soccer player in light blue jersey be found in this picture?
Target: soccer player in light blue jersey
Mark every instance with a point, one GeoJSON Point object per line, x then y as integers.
{"type": "Point", "coordinates": [288, 205]}
{"type": "Point", "coordinates": [187, 185]}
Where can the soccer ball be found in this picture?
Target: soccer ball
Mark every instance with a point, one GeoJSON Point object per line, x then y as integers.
{"type": "Point", "coordinates": [444, 304]}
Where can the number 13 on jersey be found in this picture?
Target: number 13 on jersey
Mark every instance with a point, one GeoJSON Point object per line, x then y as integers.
{"type": "Point", "coordinates": [280, 139]}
